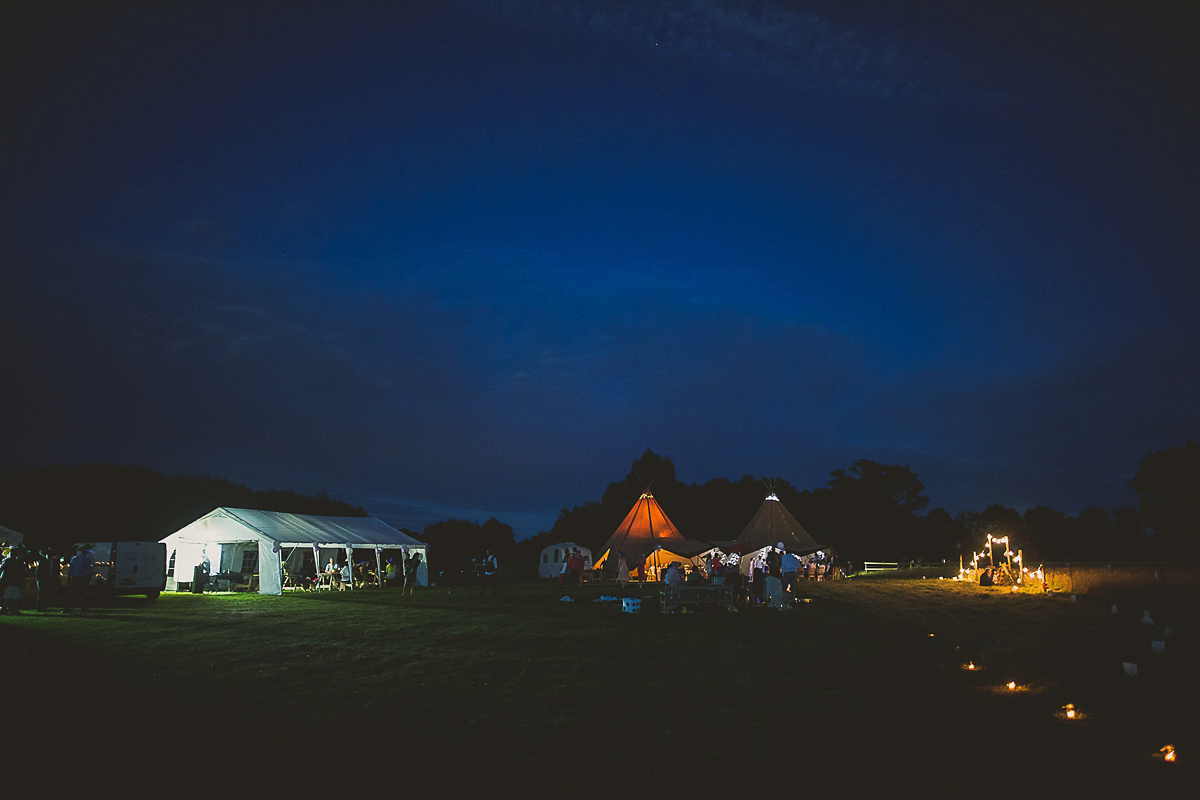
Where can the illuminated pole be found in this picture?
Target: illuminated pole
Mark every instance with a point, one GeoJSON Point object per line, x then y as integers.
{"type": "Point", "coordinates": [378, 567]}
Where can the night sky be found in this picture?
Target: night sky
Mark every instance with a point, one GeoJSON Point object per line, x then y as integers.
{"type": "Point", "coordinates": [472, 259]}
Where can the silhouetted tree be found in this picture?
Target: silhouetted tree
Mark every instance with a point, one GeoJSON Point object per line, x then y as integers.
{"type": "Point", "coordinates": [1049, 535]}
{"type": "Point", "coordinates": [869, 511]}
{"type": "Point", "coordinates": [107, 502]}
{"type": "Point", "coordinates": [456, 544]}
{"type": "Point", "coordinates": [939, 537]}
{"type": "Point", "coordinates": [1168, 487]}
{"type": "Point", "coordinates": [1093, 536]}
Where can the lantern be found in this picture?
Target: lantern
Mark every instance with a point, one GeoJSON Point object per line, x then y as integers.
{"type": "Point", "coordinates": [1070, 709]}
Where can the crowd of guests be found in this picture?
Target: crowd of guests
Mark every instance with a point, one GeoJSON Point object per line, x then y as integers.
{"type": "Point", "coordinates": [572, 568]}
{"type": "Point", "coordinates": [398, 572]}
{"type": "Point", "coordinates": [57, 579]}
{"type": "Point", "coordinates": [770, 580]}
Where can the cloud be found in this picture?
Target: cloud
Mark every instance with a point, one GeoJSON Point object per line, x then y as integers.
{"type": "Point", "coordinates": [507, 383]}
{"type": "Point", "coordinates": [798, 47]}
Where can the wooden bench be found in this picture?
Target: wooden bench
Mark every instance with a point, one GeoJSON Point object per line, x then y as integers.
{"type": "Point", "coordinates": [694, 595]}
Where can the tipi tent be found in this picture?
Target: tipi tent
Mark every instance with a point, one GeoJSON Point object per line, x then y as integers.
{"type": "Point", "coordinates": [646, 536]}
{"type": "Point", "coordinates": [232, 538]}
{"type": "Point", "coordinates": [772, 524]}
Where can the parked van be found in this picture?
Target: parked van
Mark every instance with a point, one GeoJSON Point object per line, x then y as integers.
{"type": "Point", "coordinates": [129, 567]}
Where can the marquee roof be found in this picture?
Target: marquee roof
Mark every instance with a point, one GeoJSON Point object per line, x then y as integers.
{"type": "Point", "coordinates": [293, 530]}
{"type": "Point", "coordinates": [11, 536]}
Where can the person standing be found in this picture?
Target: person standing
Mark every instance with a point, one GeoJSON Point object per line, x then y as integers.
{"type": "Point", "coordinates": [575, 565]}
{"type": "Point", "coordinates": [622, 570]}
{"type": "Point", "coordinates": [48, 581]}
{"type": "Point", "coordinates": [79, 574]}
{"type": "Point", "coordinates": [487, 575]}
{"type": "Point", "coordinates": [12, 579]}
{"type": "Point", "coordinates": [791, 566]}
{"type": "Point", "coordinates": [772, 585]}
{"type": "Point", "coordinates": [411, 566]}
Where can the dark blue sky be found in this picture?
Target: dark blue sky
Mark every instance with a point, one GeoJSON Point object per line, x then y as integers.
{"type": "Point", "coordinates": [471, 259]}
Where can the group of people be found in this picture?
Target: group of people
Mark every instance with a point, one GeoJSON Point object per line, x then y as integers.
{"type": "Point", "coordinates": [46, 567]}
{"type": "Point", "coordinates": [771, 580]}
{"type": "Point", "coordinates": [572, 568]}
{"type": "Point", "coordinates": [397, 572]}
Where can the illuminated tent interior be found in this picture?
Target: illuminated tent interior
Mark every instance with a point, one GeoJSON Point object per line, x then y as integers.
{"type": "Point", "coordinates": [772, 524]}
{"type": "Point", "coordinates": [647, 536]}
{"type": "Point", "coordinates": [244, 540]}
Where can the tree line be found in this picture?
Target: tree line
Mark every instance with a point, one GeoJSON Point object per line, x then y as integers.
{"type": "Point", "coordinates": [866, 511]}
{"type": "Point", "coordinates": [880, 512]}
{"type": "Point", "coordinates": [61, 505]}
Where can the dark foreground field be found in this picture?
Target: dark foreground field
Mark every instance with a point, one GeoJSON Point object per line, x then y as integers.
{"type": "Point", "coordinates": [862, 687]}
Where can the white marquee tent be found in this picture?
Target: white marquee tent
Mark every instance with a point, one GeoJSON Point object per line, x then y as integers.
{"type": "Point", "coordinates": [227, 535]}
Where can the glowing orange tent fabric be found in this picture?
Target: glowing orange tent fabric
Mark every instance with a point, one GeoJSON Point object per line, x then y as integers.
{"type": "Point", "coordinates": [646, 529]}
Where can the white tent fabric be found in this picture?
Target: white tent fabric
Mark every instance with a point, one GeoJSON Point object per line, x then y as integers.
{"type": "Point", "coordinates": [224, 534]}
{"type": "Point", "coordinates": [9, 536]}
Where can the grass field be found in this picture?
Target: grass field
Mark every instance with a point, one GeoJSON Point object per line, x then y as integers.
{"type": "Point", "coordinates": [862, 686]}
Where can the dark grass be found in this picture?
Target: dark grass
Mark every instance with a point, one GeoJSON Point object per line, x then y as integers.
{"type": "Point", "coordinates": [850, 687]}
